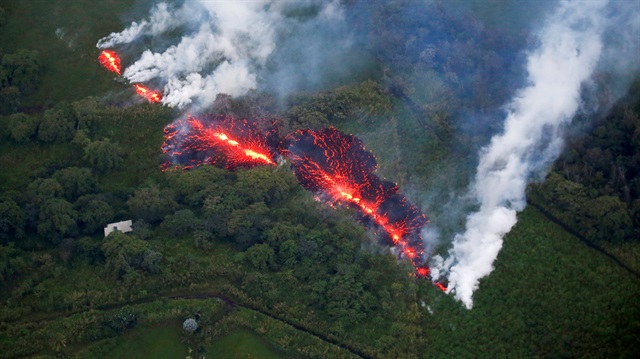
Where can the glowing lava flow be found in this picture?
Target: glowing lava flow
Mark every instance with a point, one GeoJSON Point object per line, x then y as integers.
{"type": "Point", "coordinates": [334, 166]}
{"type": "Point", "coordinates": [151, 96]}
{"type": "Point", "coordinates": [218, 140]}
{"type": "Point", "coordinates": [110, 61]}
{"type": "Point", "coordinates": [339, 170]}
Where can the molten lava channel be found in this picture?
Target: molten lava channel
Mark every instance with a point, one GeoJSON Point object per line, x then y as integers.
{"type": "Point", "coordinates": [339, 170]}
{"type": "Point", "coordinates": [334, 166]}
{"type": "Point", "coordinates": [217, 140]}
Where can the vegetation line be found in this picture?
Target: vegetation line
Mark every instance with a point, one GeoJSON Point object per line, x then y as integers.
{"type": "Point", "coordinates": [584, 240]}
{"type": "Point", "coordinates": [230, 303]}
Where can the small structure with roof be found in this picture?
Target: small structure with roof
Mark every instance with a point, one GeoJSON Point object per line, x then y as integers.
{"type": "Point", "coordinates": [124, 227]}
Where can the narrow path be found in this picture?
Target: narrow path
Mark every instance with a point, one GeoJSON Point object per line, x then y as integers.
{"type": "Point", "coordinates": [231, 303]}
{"type": "Point", "coordinates": [352, 350]}
{"type": "Point", "coordinates": [584, 240]}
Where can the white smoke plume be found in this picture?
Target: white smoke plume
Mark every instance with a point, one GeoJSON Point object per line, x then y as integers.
{"type": "Point", "coordinates": [162, 18]}
{"type": "Point", "coordinates": [570, 46]}
{"type": "Point", "coordinates": [224, 47]}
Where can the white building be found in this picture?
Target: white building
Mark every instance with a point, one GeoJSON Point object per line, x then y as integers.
{"type": "Point", "coordinates": [124, 227]}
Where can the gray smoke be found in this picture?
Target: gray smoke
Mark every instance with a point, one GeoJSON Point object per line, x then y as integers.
{"type": "Point", "coordinates": [570, 48]}
{"type": "Point", "coordinates": [228, 47]}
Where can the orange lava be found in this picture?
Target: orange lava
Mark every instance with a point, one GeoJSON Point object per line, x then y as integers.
{"type": "Point", "coordinates": [217, 140]}
{"type": "Point", "coordinates": [248, 152]}
{"type": "Point", "coordinates": [110, 61]}
{"type": "Point", "coordinates": [151, 96]}
{"type": "Point", "coordinates": [339, 170]}
{"type": "Point", "coordinates": [440, 286]}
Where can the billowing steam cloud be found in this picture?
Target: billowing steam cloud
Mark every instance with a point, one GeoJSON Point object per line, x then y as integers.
{"type": "Point", "coordinates": [224, 46]}
{"type": "Point", "coordinates": [202, 48]}
{"type": "Point", "coordinates": [570, 46]}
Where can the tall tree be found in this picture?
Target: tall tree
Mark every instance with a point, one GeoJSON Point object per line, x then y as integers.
{"type": "Point", "coordinates": [248, 225]}
{"type": "Point", "coordinates": [261, 256]}
{"type": "Point", "coordinates": [123, 253]}
{"type": "Point", "coordinates": [12, 221]}
{"type": "Point", "coordinates": [264, 184]}
{"type": "Point", "coordinates": [22, 127]}
{"type": "Point", "coordinates": [12, 262]}
{"type": "Point", "coordinates": [123, 319]}
{"type": "Point", "coordinates": [58, 124]}
{"type": "Point", "coordinates": [103, 155]}
{"type": "Point", "coordinates": [42, 189]}
{"type": "Point", "coordinates": [20, 69]}
{"type": "Point", "coordinates": [19, 76]}
{"type": "Point", "coordinates": [151, 203]}
{"type": "Point", "coordinates": [75, 181]}
{"type": "Point", "coordinates": [180, 223]}
{"type": "Point", "coordinates": [87, 112]}
{"type": "Point", "coordinates": [57, 219]}
{"type": "Point", "coordinates": [93, 213]}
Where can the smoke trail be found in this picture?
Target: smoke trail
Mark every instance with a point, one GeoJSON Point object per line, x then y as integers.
{"type": "Point", "coordinates": [162, 18]}
{"type": "Point", "coordinates": [224, 46]}
{"type": "Point", "coordinates": [569, 49]}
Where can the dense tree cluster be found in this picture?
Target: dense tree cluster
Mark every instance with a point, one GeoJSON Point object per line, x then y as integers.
{"type": "Point", "coordinates": [12, 220]}
{"type": "Point", "coordinates": [19, 75]}
{"type": "Point", "coordinates": [595, 184]}
{"type": "Point", "coordinates": [256, 228]}
{"type": "Point", "coordinates": [22, 127]}
{"type": "Point", "coordinates": [57, 124]}
{"type": "Point", "coordinates": [355, 103]}
{"type": "Point", "coordinates": [284, 266]}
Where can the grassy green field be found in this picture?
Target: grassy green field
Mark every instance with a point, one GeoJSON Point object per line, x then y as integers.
{"type": "Point", "coordinates": [156, 342]}
{"type": "Point", "coordinates": [545, 281]}
{"type": "Point", "coordinates": [164, 342]}
{"type": "Point", "coordinates": [240, 345]}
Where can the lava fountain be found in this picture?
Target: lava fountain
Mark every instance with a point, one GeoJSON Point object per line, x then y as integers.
{"type": "Point", "coordinates": [110, 61]}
